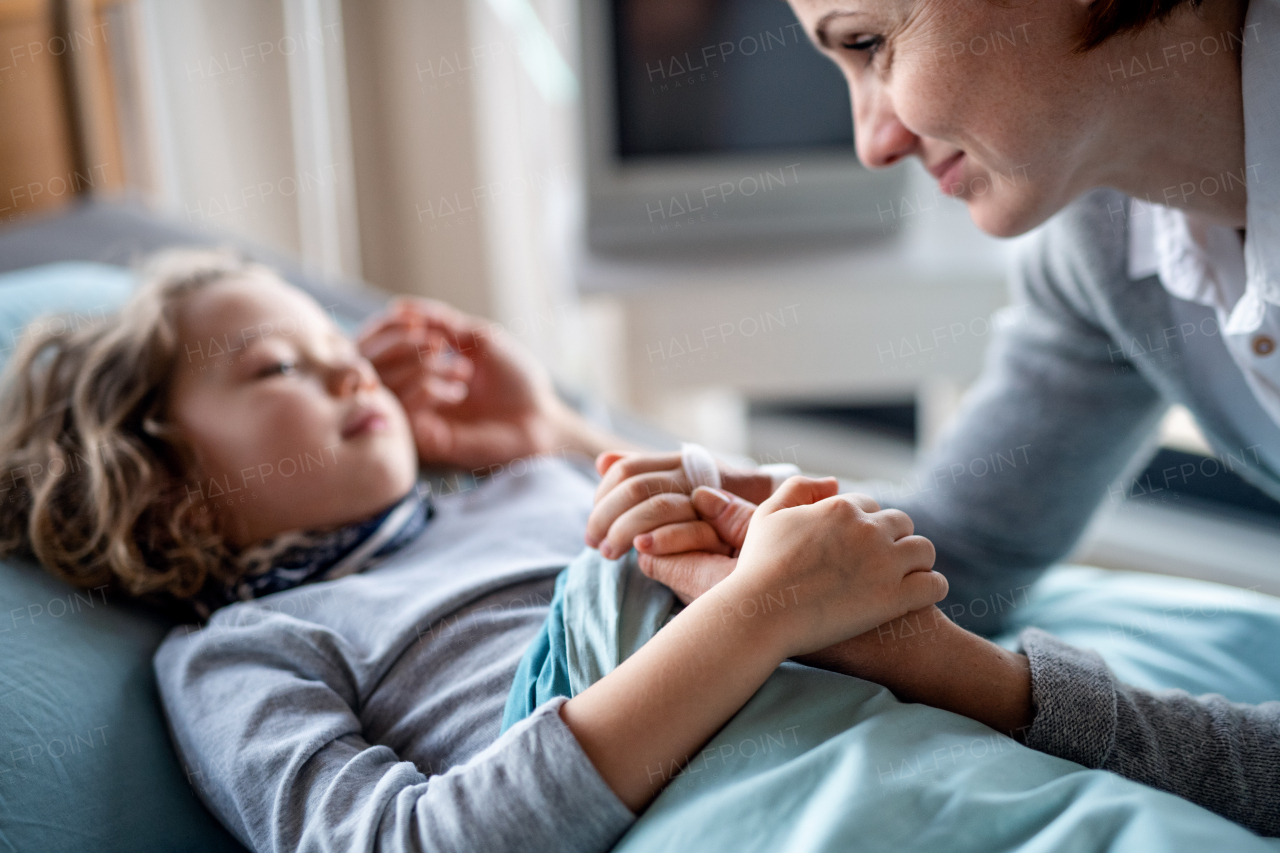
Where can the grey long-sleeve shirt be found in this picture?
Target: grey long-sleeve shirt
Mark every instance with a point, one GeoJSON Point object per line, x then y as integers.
{"type": "Point", "coordinates": [364, 713]}
{"type": "Point", "coordinates": [1221, 755]}
{"type": "Point", "coordinates": [1079, 373]}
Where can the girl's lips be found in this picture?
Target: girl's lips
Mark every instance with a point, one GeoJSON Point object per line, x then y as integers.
{"type": "Point", "coordinates": [951, 177]}
{"type": "Point", "coordinates": [368, 422]}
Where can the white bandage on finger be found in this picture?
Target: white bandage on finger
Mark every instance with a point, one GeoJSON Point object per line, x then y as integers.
{"type": "Point", "coordinates": [778, 473]}
{"type": "Point", "coordinates": [699, 466]}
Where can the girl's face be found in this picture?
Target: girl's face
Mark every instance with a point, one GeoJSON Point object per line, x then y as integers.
{"type": "Point", "coordinates": [291, 426]}
{"type": "Point", "coordinates": [990, 96]}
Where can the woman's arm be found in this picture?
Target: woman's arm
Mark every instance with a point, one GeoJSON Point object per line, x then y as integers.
{"type": "Point", "coordinates": [1053, 697]}
{"type": "Point", "coordinates": [925, 657]}
{"type": "Point", "coordinates": [1063, 700]}
{"type": "Point", "coordinates": [1222, 755]}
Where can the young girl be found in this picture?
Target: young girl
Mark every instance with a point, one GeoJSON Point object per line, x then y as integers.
{"type": "Point", "coordinates": [235, 451]}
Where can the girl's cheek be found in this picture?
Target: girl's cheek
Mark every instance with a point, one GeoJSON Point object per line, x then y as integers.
{"type": "Point", "coordinates": [291, 420]}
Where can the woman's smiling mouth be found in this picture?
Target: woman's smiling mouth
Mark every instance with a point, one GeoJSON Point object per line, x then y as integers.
{"type": "Point", "coordinates": [950, 174]}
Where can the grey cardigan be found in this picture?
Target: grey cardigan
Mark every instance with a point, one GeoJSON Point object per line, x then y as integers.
{"type": "Point", "coordinates": [1075, 381]}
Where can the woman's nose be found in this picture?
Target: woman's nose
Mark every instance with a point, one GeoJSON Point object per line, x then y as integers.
{"type": "Point", "coordinates": [880, 136]}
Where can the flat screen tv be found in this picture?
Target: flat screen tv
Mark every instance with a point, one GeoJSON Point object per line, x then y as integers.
{"type": "Point", "coordinates": [716, 121]}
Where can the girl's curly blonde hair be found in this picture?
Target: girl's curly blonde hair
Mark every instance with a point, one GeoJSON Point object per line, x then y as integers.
{"type": "Point", "coordinates": [92, 483]}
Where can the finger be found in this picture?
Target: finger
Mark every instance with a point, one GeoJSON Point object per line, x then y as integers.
{"type": "Point", "coordinates": [423, 311]}
{"type": "Point", "coordinates": [606, 459]}
{"type": "Point", "coordinates": [624, 496]}
{"type": "Point", "coordinates": [447, 392]}
{"type": "Point", "coordinates": [422, 396]}
{"type": "Point", "coordinates": [799, 491]}
{"type": "Point", "coordinates": [681, 537]}
{"type": "Point", "coordinates": [897, 522]}
{"type": "Point", "coordinates": [409, 382]}
{"type": "Point", "coordinates": [401, 375]}
{"type": "Point", "coordinates": [448, 363]}
{"type": "Point", "coordinates": [635, 464]}
{"type": "Point", "coordinates": [866, 503]}
{"type": "Point", "coordinates": [750, 485]}
{"type": "Point", "coordinates": [643, 517]}
{"type": "Point", "coordinates": [462, 331]}
{"type": "Point", "coordinates": [688, 575]}
{"type": "Point", "coordinates": [917, 553]}
{"type": "Point", "coordinates": [405, 372]}
{"type": "Point", "coordinates": [729, 515]}
{"type": "Point", "coordinates": [392, 317]}
{"type": "Point", "coordinates": [373, 326]}
{"type": "Point", "coordinates": [409, 345]}
{"type": "Point", "coordinates": [375, 343]}
{"type": "Point", "coordinates": [921, 589]}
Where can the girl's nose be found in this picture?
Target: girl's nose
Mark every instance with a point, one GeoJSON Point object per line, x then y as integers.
{"type": "Point", "coordinates": [881, 138]}
{"type": "Point", "coordinates": [351, 375]}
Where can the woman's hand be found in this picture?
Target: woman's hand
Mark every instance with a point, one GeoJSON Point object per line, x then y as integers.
{"type": "Point", "coordinates": [842, 569]}
{"type": "Point", "coordinates": [631, 480]}
{"type": "Point", "coordinates": [474, 398]}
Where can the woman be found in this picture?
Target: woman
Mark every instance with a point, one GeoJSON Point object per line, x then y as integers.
{"type": "Point", "coordinates": [222, 443]}
{"type": "Point", "coordinates": [1149, 130]}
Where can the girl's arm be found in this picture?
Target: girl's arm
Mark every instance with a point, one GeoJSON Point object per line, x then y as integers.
{"type": "Point", "coordinates": [475, 398]}
{"type": "Point", "coordinates": [840, 567]}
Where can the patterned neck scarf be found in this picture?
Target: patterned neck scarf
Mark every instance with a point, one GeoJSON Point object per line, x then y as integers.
{"type": "Point", "coordinates": [308, 556]}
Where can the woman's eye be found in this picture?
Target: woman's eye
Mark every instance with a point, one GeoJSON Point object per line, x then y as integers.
{"type": "Point", "coordinates": [865, 44]}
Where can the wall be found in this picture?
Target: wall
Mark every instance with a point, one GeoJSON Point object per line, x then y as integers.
{"type": "Point", "coordinates": [411, 82]}
{"type": "Point", "coordinates": [220, 91]}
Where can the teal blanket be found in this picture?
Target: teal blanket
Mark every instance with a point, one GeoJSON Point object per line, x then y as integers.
{"type": "Point", "coordinates": [818, 761]}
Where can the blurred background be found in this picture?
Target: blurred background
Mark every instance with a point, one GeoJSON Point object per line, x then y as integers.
{"type": "Point", "coordinates": [659, 198]}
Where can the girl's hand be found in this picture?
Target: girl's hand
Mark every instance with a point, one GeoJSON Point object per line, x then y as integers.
{"type": "Point", "coordinates": [473, 397]}
{"type": "Point", "coordinates": [841, 569]}
{"type": "Point", "coordinates": [690, 556]}
{"type": "Point", "coordinates": [630, 480]}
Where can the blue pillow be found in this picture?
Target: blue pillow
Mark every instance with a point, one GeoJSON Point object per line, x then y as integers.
{"type": "Point", "coordinates": [90, 292]}
{"type": "Point", "coordinates": [85, 757]}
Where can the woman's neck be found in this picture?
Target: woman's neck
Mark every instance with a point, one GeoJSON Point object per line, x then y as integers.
{"type": "Point", "coordinates": [1175, 128]}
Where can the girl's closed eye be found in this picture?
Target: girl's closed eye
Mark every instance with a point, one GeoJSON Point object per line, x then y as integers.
{"type": "Point", "coordinates": [277, 367]}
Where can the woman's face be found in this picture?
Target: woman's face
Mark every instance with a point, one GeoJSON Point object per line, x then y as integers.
{"type": "Point", "coordinates": [291, 427]}
{"type": "Point", "coordinates": [986, 94]}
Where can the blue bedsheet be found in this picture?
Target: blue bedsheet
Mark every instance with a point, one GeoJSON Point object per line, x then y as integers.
{"type": "Point", "coordinates": [818, 761]}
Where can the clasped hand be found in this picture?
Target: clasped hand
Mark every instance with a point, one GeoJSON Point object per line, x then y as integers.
{"type": "Point", "coordinates": [846, 564]}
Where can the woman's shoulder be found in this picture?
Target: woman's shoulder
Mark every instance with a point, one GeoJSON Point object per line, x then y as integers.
{"type": "Point", "coordinates": [1078, 260]}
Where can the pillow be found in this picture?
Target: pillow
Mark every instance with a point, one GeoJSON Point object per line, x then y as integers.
{"type": "Point", "coordinates": [90, 292]}
{"type": "Point", "coordinates": [85, 757]}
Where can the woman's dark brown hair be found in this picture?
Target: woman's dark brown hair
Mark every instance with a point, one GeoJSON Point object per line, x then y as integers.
{"type": "Point", "coordinates": [1112, 17]}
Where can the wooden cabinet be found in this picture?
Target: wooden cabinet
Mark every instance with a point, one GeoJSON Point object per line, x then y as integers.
{"type": "Point", "coordinates": [59, 125]}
